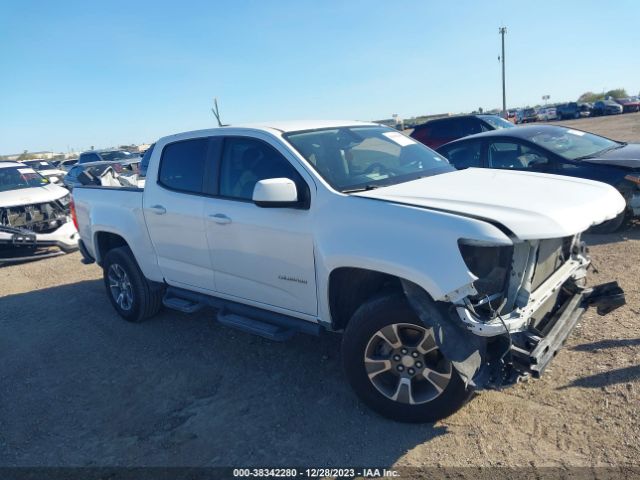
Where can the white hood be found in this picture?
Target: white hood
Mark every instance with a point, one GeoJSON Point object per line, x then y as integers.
{"type": "Point", "coordinates": [52, 172]}
{"type": "Point", "coordinates": [29, 196]}
{"type": "Point", "coordinates": [531, 205]}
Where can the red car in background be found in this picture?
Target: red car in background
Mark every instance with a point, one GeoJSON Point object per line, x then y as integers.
{"type": "Point", "coordinates": [435, 133]}
{"type": "Point", "coordinates": [631, 104]}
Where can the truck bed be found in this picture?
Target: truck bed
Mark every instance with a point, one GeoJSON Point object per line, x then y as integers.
{"type": "Point", "coordinates": [118, 211]}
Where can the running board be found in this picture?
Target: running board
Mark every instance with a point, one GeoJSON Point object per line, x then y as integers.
{"type": "Point", "coordinates": [265, 323]}
{"type": "Point", "coordinates": [256, 327]}
{"type": "Point", "coordinates": [181, 304]}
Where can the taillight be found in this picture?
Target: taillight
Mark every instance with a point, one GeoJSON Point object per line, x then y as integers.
{"type": "Point", "coordinates": [74, 217]}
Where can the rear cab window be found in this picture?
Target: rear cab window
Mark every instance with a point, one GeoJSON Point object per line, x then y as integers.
{"type": "Point", "coordinates": [144, 163]}
{"type": "Point", "coordinates": [182, 165]}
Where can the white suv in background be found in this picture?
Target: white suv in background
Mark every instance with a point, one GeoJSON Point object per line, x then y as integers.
{"type": "Point", "coordinates": [547, 113]}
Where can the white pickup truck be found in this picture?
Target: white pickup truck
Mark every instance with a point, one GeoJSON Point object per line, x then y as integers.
{"type": "Point", "coordinates": [442, 281]}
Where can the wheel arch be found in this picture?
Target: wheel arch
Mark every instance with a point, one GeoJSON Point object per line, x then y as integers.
{"type": "Point", "coordinates": [350, 287]}
{"type": "Point", "coordinates": [105, 241]}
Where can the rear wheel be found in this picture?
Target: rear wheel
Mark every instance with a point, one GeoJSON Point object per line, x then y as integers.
{"type": "Point", "coordinates": [395, 366]}
{"type": "Point", "coordinates": [131, 294]}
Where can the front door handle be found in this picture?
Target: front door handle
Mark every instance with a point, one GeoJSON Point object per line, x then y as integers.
{"type": "Point", "coordinates": [158, 209]}
{"type": "Point", "coordinates": [220, 218]}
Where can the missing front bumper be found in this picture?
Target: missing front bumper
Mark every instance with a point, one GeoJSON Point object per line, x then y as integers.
{"type": "Point", "coordinates": [20, 245]}
{"type": "Point", "coordinates": [533, 350]}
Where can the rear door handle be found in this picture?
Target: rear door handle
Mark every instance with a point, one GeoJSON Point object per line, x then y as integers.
{"type": "Point", "coordinates": [158, 209]}
{"type": "Point", "coordinates": [220, 218]}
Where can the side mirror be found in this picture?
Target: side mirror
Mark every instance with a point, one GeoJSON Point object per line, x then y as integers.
{"type": "Point", "coordinates": [275, 192]}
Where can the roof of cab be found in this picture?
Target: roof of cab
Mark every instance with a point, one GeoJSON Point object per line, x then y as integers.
{"type": "Point", "coordinates": [299, 125]}
{"type": "Point", "coordinates": [281, 126]}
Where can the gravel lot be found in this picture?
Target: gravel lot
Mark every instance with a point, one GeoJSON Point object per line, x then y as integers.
{"type": "Point", "coordinates": [79, 386]}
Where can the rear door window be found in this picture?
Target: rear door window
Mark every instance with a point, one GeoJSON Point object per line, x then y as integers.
{"type": "Point", "coordinates": [444, 129]}
{"type": "Point", "coordinates": [468, 126]}
{"type": "Point", "coordinates": [182, 166]}
{"type": "Point", "coordinates": [465, 155]}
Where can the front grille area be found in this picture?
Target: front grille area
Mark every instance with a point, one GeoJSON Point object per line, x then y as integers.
{"type": "Point", "coordinates": [552, 254]}
{"type": "Point", "coordinates": [38, 218]}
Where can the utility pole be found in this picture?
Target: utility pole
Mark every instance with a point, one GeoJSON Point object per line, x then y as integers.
{"type": "Point", "coordinates": [502, 31]}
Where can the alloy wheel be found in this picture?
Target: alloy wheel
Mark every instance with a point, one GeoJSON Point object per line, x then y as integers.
{"type": "Point", "coordinates": [120, 287]}
{"type": "Point", "coordinates": [404, 364]}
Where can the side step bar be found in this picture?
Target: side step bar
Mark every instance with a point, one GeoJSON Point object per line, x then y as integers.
{"type": "Point", "coordinates": [267, 324]}
{"type": "Point", "coordinates": [256, 327]}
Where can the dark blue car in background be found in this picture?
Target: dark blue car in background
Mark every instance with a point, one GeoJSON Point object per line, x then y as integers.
{"type": "Point", "coordinates": [560, 151]}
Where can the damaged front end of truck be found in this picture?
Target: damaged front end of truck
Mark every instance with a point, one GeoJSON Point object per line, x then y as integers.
{"type": "Point", "coordinates": [510, 322]}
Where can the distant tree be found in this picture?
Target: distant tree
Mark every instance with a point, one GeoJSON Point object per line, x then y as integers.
{"type": "Point", "coordinates": [617, 93]}
{"type": "Point", "coordinates": [590, 97]}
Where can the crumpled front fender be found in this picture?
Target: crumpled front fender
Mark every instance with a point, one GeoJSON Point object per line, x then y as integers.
{"type": "Point", "coordinates": [465, 350]}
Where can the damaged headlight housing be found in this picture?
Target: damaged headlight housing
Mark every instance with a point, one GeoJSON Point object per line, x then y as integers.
{"type": "Point", "coordinates": [64, 201]}
{"type": "Point", "coordinates": [491, 264]}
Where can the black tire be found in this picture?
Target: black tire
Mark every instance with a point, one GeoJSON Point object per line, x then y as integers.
{"type": "Point", "coordinates": [146, 298]}
{"type": "Point", "coordinates": [610, 226]}
{"type": "Point", "coordinates": [376, 314]}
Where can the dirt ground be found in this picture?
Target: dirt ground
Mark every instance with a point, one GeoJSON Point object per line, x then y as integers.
{"type": "Point", "coordinates": [81, 387]}
{"type": "Point", "coordinates": [624, 128]}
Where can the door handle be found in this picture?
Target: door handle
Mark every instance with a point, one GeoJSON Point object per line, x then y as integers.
{"type": "Point", "coordinates": [158, 209]}
{"type": "Point", "coordinates": [220, 218]}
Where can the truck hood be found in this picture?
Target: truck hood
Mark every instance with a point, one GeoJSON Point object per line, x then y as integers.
{"type": "Point", "coordinates": [530, 205]}
{"type": "Point", "coordinates": [625, 157]}
{"type": "Point", "coordinates": [30, 196]}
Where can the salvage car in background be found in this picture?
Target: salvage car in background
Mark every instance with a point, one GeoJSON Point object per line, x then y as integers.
{"type": "Point", "coordinates": [441, 280]}
{"type": "Point", "coordinates": [526, 115]}
{"type": "Point", "coordinates": [629, 105]}
{"type": "Point", "coordinates": [47, 170]}
{"type": "Point", "coordinates": [67, 164]}
{"type": "Point", "coordinates": [557, 150]}
{"type": "Point", "coordinates": [443, 130]}
{"type": "Point", "coordinates": [572, 110]}
{"type": "Point", "coordinates": [106, 156]}
{"type": "Point", "coordinates": [547, 113]}
{"type": "Point", "coordinates": [34, 213]}
{"type": "Point", "coordinates": [103, 173]}
{"type": "Point", "coordinates": [606, 107]}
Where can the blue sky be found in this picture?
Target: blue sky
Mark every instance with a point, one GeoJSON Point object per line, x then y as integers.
{"type": "Point", "coordinates": [77, 73]}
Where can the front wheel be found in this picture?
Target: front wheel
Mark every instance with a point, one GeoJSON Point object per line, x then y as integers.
{"type": "Point", "coordinates": [395, 366]}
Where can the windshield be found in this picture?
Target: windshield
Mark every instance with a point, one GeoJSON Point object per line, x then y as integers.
{"type": "Point", "coordinates": [497, 122]}
{"type": "Point", "coordinates": [116, 155]}
{"type": "Point", "coordinates": [360, 158]}
{"type": "Point", "coordinates": [40, 165]}
{"type": "Point", "coordinates": [573, 144]}
{"type": "Point", "coordinates": [15, 178]}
